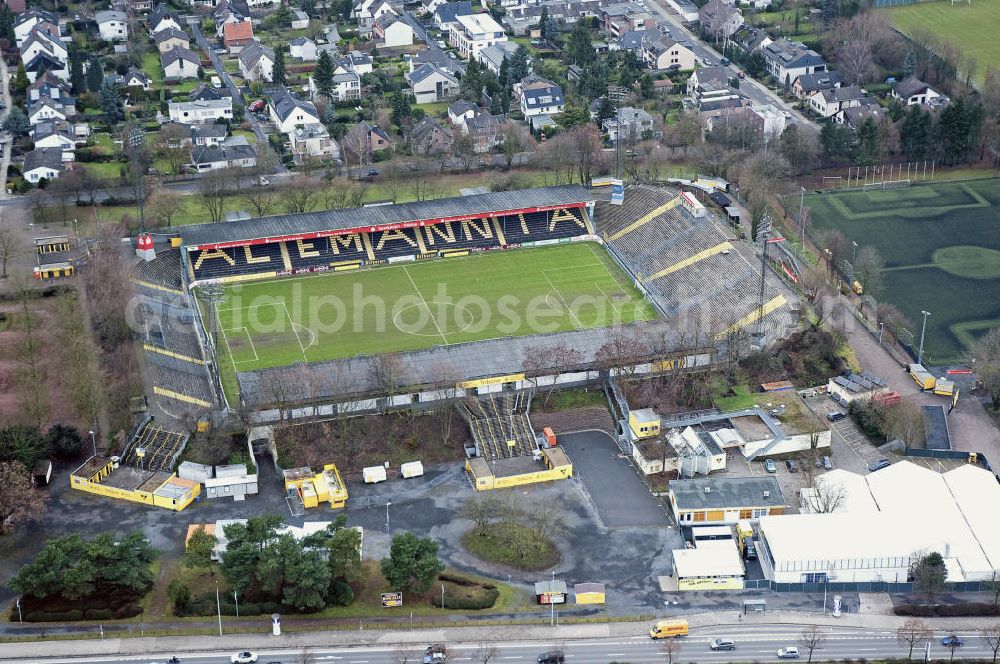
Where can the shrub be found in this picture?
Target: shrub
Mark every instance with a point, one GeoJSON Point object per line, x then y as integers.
{"type": "Point", "coordinates": [342, 595]}
{"type": "Point", "coordinates": [180, 594]}
{"type": "Point", "coordinates": [484, 600]}
{"type": "Point", "coordinates": [947, 610]}
{"type": "Point", "coordinates": [126, 611]}
{"type": "Point", "coordinates": [97, 614]}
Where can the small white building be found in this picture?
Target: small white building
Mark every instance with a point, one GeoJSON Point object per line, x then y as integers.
{"type": "Point", "coordinates": [43, 163]}
{"type": "Point", "coordinates": [257, 62]}
{"type": "Point", "coordinates": [830, 102]}
{"type": "Point", "coordinates": [541, 97]}
{"type": "Point", "coordinates": [200, 112]}
{"type": "Point", "coordinates": [288, 111]}
{"type": "Point", "coordinates": [113, 25]}
{"type": "Point", "coordinates": [431, 84]}
{"type": "Point", "coordinates": [392, 31]}
{"type": "Point", "coordinates": [471, 34]}
{"type": "Point", "coordinates": [180, 63]}
{"type": "Point", "coordinates": [912, 92]}
{"type": "Point", "coordinates": [300, 19]}
{"type": "Point", "coordinates": [302, 48]}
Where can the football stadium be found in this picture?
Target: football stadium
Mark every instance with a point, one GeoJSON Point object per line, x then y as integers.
{"type": "Point", "coordinates": [391, 305]}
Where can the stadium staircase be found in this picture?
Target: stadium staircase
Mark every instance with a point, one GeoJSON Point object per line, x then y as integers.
{"type": "Point", "coordinates": [160, 448]}
{"type": "Point", "coordinates": [499, 424]}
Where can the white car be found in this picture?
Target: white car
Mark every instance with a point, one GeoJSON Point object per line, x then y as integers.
{"type": "Point", "coordinates": [788, 653]}
{"type": "Point", "coordinates": [245, 657]}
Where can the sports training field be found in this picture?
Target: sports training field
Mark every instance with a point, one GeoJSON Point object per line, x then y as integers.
{"type": "Point", "coordinates": [941, 245]}
{"type": "Point", "coordinates": [970, 28]}
{"type": "Point", "coordinates": [410, 306]}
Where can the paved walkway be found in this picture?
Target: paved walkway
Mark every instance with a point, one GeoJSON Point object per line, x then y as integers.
{"type": "Point", "coordinates": [491, 633]}
{"type": "Point", "coordinates": [7, 139]}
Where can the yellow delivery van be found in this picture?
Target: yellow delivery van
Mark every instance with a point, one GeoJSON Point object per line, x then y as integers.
{"type": "Point", "coordinates": [667, 628]}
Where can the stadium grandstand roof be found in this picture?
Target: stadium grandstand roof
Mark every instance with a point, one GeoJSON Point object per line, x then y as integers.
{"type": "Point", "coordinates": [272, 229]}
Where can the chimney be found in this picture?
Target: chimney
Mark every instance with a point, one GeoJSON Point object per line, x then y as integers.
{"type": "Point", "coordinates": [708, 489]}
{"type": "Point", "coordinates": [767, 494]}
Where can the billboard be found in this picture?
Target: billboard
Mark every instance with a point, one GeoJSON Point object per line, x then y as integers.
{"type": "Point", "coordinates": [390, 600]}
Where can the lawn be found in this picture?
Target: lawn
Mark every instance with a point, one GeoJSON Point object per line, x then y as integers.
{"type": "Point", "coordinates": [970, 28]}
{"type": "Point", "coordinates": [941, 249]}
{"type": "Point", "coordinates": [418, 305]}
{"type": "Point", "coordinates": [151, 65]}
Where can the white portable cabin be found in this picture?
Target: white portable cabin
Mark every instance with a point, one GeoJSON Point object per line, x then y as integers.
{"type": "Point", "coordinates": [374, 474]}
{"type": "Point", "coordinates": [411, 469]}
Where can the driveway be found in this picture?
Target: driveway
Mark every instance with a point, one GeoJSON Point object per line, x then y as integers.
{"type": "Point", "coordinates": [620, 497]}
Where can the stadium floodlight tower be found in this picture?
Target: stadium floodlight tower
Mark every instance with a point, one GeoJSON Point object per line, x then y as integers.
{"type": "Point", "coordinates": [136, 143]}
{"type": "Point", "coordinates": [923, 329]}
{"type": "Point", "coordinates": [763, 237]}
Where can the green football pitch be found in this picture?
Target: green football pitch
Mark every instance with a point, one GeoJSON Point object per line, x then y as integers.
{"type": "Point", "coordinates": [941, 246]}
{"type": "Point", "coordinates": [415, 305]}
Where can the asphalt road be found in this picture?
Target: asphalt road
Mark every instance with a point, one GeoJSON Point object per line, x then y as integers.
{"type": "Point", "coordinates": [757, 92]}
{"type": "Point", "coordinates": [753, 643]}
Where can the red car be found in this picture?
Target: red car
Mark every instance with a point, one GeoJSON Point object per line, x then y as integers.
{"type": "Point", "coordinates": [257, 106]}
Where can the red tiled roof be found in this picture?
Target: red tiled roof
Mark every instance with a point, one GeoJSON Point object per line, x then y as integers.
{"type": "Point", "coordinates": [235, 32]}
{"type": "Point", "coordinates": [16, 6]}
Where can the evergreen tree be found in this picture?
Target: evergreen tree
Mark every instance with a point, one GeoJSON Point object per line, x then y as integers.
{"type": "Point", "coordinates": [471, 86]}
{"type": "Point", "coordinates": [519, 67]}
{"type": "Point", "coordinates": [95, 75]}
{"type": "Point", "coordinates": [278, 74]}
{"type": "Point", "coordinates": [954, 129]}
{"type": "Point", "coordinates": [504, 76]}
{"type": "Point", "coordinates": [605, 111]}
{"type": "Point", "coordinates": [17, 122]}
{"type": "Point", "coordinates": [837, 141]}
{"type": "Point", "coordinates": [402, 112]}
{"type": "Point", "coordinates": [323, 75]}
{"type": "Point", "coordinates": [76, 76]}
{"type": "Point", "coordinates": [543, 22]}
{"type": "Point", "coordinates": [579, 48]}
{"type": "Point", "coordinates": [6, 23]}
{"type": "Point", "coordinates": [329, 115]}
{"type": "Point", "coordinates": [869, 143]}
{"type": "Point", "coordinates": [21, 82]}
{"type": "Point", "coordinates": [646, 86]}
{"type": "Point", "coordinates": [915, 134]}
{"type": "Point", "coordinates": [910, 63]}
{"type": "Point", "coordinates": [111, 102]}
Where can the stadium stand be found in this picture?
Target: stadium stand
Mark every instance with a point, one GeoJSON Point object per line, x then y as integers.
{"type": "Point", "coordinates": [327, 251]}
{"type": "Point", "coordinates": [258, 259]}
{"type": "Point", "coordinates": [548, 225]}
{"type": "Point", "coordinates": [500, 425]}
{"type": "Point", "coordinates": [153, 448]}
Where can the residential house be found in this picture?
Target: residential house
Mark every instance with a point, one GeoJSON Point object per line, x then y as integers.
{"type": "Point", "coordinates": [346, 86]}
{"type": "Point", "coordinates": [237, 36]}
{"type": "Point", "coordinates": [749, 39]}
{"type": "Point", "coordinates": [430, 138]}
{"type": "Point", "coordinates": [205, 92]}
{"type": "Point", "coordinates": [624, 17]}
{"type": "Point", "coordinates": [708, 80]}
{"type": "Point", "coordinates": [667, 53]}
{"type": "Point", "coordinates": [445, 13]}
{"type": "Point", "coordinates": [43, 163]}
{"type": "Point", "coordinates": [520, 19]}
{"type": "Point", "coordinates": [366, 12]}
{"type": "Point", "coordinates": [486, 131]}
{"type": "Point", "coordinates": [356, 61]}
{"type": "Point", "coordinates": [260, 4]}
{"type": "Point", "coordinates": [234, 152]}
{"type": "Point", "coordinates": [300, 19]}
{"type": "Point", "coordinates": [208, 134]}
{"type": "Point", "coordinates": [829, 102]}
{"type": "Point", "coordinates": [363, 139]}
{"type": "Point", "coordinates": [471, 34]}
{"type": "Point", "coordinates": [853, 117]}
{"type": "Point", "coordinates": [636, 40]}
{"type": "Point", "coordinates": [55, 134]}
{"type": "Point", "coordinates": [912, 91]}
{"type": "Point", "coordinates": [42, 52]}
{"type": "Point", "coordinates": [720, 19]}
{"type": "Point", "coordinates": [725, 500]}
{"type": "Point", "coordinates": [633, 124]}
{"type": "Point", "coordinates": [428, 7]}
{"type": "Point", "coordinates": [303, 48]}
{"type": "Point", "coordinates": [312, 141]}
{"type": "Point", "coordinates": [809, 84]}
{"type": "Point", "coordinates": [134, 78]}
{"type": "Point", "coordinates": [34, 18]}
{"type": "Point", "coordinates": [288, 111]}
{"type": "Point", "coordinates": [430, 83]}
{"type": "Point", "coordinates": [257, 62]}
{"type": "Point", "coordinates": [227, 12]}
{"type": "Point", "coordinates": [46, 108]}
{"type": "Point", "coordinates": [774, 121]}
{"type": "Point", "coordinates": [200, 112]}
{"type": "Point", "coordinates": [113, 25]}
{"type": "Point", "coordinates": [540, 97]}
{"type": "Point", "coordinates": [180, 63]}
{"type": "Point", "coordinates": [331, 34]}
{"type": "Point", "coordinates": [162, 17]}
{"type": "Point", "coordinates": [392, 31]}
{"type": "Point", "coordinates": [787, 60]}
{"type": "Point", "coordinates": [492, 57]}
{"type": "Point", "coordinates": [170, 38]}
{"type": "Point", "coordinates": [139, 6]}
{"type": "Point", "coordinates": [460, 111]}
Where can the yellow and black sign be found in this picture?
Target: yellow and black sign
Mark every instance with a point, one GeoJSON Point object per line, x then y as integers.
{"type": "Point", "coordinates": [495, 380]}
{"type": "Point", "coordinates": [390, 600]}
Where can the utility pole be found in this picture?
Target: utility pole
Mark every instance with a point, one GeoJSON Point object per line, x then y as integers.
{"type": "Point", "coordinates": [218, 606]}
{"type": "Point", "coordinates": [854, 254]}
{"type": "Point", "coordinates": [802, 224]}
{"type": "Point", "coordinates": [923, 329]}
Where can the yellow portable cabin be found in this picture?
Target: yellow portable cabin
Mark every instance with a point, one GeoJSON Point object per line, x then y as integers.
{"type": "Point", "coordinates": [945, 388]}
{"type": "Point", "coordinates": [921, 376]}
{"type": "Point", "coordinates": [857, 288]}
{"type": "Point", "coordinates": [644, 423]}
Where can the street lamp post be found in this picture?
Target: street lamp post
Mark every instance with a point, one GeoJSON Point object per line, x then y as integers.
{"type": "Point", "coordinates": [387, 503]}
{"type": "Point", "coordinates": [854, 254]}
{"type": "Point", "coordinates": [93, 440]}
{"type": "Point", "coordinates": [218, 606]}
{"type": "Point", "coordinates": [923, 328]}
{"type": "Point", "coordinates": [881, 328]}
{"type": "Point", "coordinates": [802, 201]}
{"type": "Point", "coordinates": [237, 601]}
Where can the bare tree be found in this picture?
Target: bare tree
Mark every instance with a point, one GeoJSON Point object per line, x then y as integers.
{"type": "Point", "coordinates": [278, 390]}
{"type": "Point", "coordinates": [386, 372]}
{"type": "Point", "coordinates": [670, 648]}
{"type": "Point", "coordinates": [171, 147]}
{"type": "Point", "coordinates": [952, 645]}
{"type": "Point", "coordinates": [986, 352]}
{"type": "Point", "coordinates": [622, 351]}
{"type": "Point", "coordinates": [463, 146]}
{"type": "Point", "coordinates": [826, 497]}
{"type": "Point", "coordinates": [586, 143]}
{"type": "Point", "coordinates": [164, 205]}
{"type": "Point", "coordinates": [20, 501]}
{"type": "Point", "coordinates": [214, 190]}
{"type": "Point", "coordinates": [487, 652]}
{"type": "Point", "coordinates": [390, 184]}
{"type": "Point", "coordinates": [482, 509]}
{"type": "Point", "coordinates": [403, 654]}
{"type": "Point", "coordinates": [812, 639]}
{"type": "Point", "coordinates": [261, 199]}
{"type": "Point", "coordinates": [516, 139]}
{"type": "Point", "coordinates": [905, 421]}
{"type": "Point", "coordinates": [912, 632]}
{"type": "Point", "coordinates": [299, 194]}
{"type": "Point", "coordinates": [11, 245]}
{"type": "Point", "coordinates": [991, 637]}
{"type": "Point", "coordinates": [868, 271]}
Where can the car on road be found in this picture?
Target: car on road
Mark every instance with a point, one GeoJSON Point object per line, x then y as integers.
{"type": "Point", "coordinates": [952, 640]}
{"type": "Point", "coordinates": [742, 74]}
{"type": "Point", "coordinates": [441, 44]}
{"type": "Point", "coordinates": [245, 657]}
{"type": "Point", "coordinates": [879, 465]}
{"type": "Point", "coordinates": [552, 657]}
{"type": "Point", "coordinates": [706, 62]}
{"type": "Point", "coordinates": [724, 61]}
{"type": "Point", "coordinates": [750, 552]}
{"type": "Point", "coordinates": [220, 50]}
{"type": "Point", "coordinates": [769, 466]}
{"type": "Point", "coordinates": [723, 644]}
{"type": "Point", "coordinates": [435, 653]}
{"type": "Point", "coordinates": [790, 652]}
{"type": "Point", "coordinates": [827, 464]}
{"type": "Point", "coordinates": [835, 416]}
{"type": "Point", "coordinates": [791, 465]}
{"type": "Point", "coordinates": [451, 54]}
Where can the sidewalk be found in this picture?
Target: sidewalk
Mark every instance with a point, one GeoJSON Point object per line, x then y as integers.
{"type": "Point", "coordinates": [491, 633]}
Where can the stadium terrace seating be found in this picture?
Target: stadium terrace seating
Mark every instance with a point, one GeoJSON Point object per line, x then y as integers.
{"type": "Point", "coordinates": [395, 243]}
{"type": "Point", "coordinates": [161, 448]}
{"type": "Point", "coordinates": [322, 252]}
{"type": "Point", "coordinates": [535, 226]}
{"type": "Point", "coordinates": [235, 261]}
{"type": "Point", "coordinates": [640, 201]}
{"type": "Point", "coordinates": [164, 270]}
{"type": "Point", "coordinates": [469, 234]}
{"type": "Point", "coordinates": [497, 419]}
